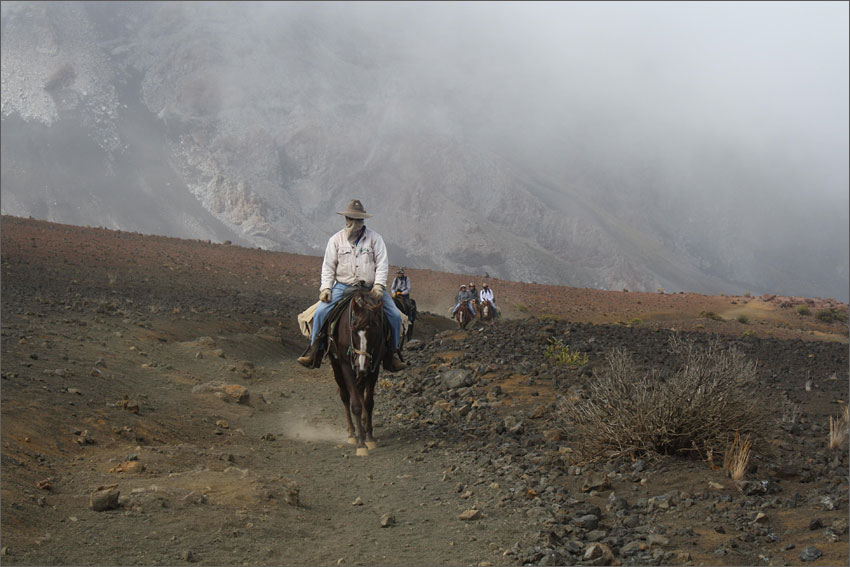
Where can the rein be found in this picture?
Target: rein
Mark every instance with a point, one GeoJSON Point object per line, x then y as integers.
{"type": "Point", "coordinates": [374, 361]}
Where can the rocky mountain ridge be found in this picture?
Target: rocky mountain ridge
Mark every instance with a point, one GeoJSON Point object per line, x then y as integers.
{"type": "Point", "coordinates": [255, 126]}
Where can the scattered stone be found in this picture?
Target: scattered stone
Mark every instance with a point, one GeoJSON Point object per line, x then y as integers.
{"type": "Point", "coordinates": [588, 522]}
{"type": "Point", "coordinates": [657, 539]}
{"type": "Point", "coordinates": [128, 404]}
{"type": "Point", "coordinates": [456, 378]}
{"type": "Point", "coordinates": [633, 547]}
{"type": "Point", "coordinates": [292, 494]}
{"type": "Point", "coordinates": [104, 499]}
{"type": "Point", "coordinates": [599, 553]}
{"type": "Point", "coordinates": [829, 503]}
{"type": "Point", "coordinates": [188, 556]}
{"type": "Point", "coordinates": [513, 424]}
{"type": "Point", "coordinates": [471, 514]}
{"type": "Point", "coordinates": [357, 502]}
{"type": "Point", "coordinates": [128, 467]}
{"type": "Point", "coordinates": [811, 553]}
{"type": "Point", "coordinates": [227, 392]}
{"type": "Point", "coordinates": [44, 484]}
{"type": "Point", "coordinates": [222, 423]}
{"type": "Point", "coordinates": [387, 520]}
{"type": "Point", "coordinates": [268, 437]}
{"type": "Point", "coordinates": [83, 438]}
{"type": "Point", "coordinates": [596, 481]}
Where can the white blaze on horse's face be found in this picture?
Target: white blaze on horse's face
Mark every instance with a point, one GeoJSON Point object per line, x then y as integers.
{"type": "Point", "coordinates": [361, 358]}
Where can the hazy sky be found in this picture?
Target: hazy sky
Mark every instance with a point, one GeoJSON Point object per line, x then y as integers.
{"type": "Point", "coordinates": [765, 76]}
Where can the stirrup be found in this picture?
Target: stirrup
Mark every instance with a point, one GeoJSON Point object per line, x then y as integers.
{"type": "Point", "coordinates": [312, 357]}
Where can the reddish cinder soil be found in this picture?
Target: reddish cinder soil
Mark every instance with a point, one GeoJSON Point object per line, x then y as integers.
{"type": "Point", "coordinates": [124, 357]}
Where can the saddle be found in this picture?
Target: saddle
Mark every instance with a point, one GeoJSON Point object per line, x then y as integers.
{"type": "Point", "coordinates": [330, 324]}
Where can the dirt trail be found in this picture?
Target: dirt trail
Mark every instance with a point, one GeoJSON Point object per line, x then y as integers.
{"type": "Point", "coordinates": [268, 481]}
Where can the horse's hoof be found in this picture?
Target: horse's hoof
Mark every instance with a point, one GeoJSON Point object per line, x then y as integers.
{"type": "Point", "coordinates": [352, 441]}
{"type": "Point", "coordinates": [362, 452]}
{"type": "Point", "coordinates": [371, 444]}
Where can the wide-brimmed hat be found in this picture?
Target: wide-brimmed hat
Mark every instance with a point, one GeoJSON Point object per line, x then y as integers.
{"type": "Point", "coordinates": [355, 210]}
{"type": "Point", "coordinates": [462, 286]}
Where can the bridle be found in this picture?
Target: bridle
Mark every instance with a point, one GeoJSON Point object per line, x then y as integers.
{"type": "Point", "coordinates": [372, 361]}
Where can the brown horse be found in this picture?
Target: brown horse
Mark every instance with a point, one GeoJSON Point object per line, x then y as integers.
{"type": "Point", "coordinates": [356, 349]}
{"type": "Point", "coordinates": [487, 311]}
{"type": "Point", "coordinates": [463, 315]}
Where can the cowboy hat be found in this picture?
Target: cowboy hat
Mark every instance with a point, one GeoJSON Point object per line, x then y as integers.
{"type": "Point", "coordinates": [355, 210]}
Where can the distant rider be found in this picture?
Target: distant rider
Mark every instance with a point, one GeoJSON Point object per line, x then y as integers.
{"type": "Point", "coordinates": [401, 289]}
{"type": "Point", "coordinates": [464, 295]}
{"type": "Point", "coordinates": [486, 294]}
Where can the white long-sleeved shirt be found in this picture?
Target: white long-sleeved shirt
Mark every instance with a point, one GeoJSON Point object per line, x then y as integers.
{"type": "Point", "coordinates": [486, 295]}
{"type": "Point", "coordinates": [348, 263]}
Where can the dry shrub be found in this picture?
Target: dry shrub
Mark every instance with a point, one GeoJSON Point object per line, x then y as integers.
{"type": "Point", "coordinates": [737, 458]}
{"type": "Point", "coordinates": [839, 429]}
{"type": "Point", "coordinates": [697, 407]}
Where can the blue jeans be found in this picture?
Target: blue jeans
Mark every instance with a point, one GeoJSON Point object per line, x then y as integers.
{"type": "Point", "coordinates": [390, 310]}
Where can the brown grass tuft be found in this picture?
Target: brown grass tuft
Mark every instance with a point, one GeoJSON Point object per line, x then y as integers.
{"type": "Point", "coordinates": [839, 429]}
{"type": "Point", "coordinates": [737, 458]}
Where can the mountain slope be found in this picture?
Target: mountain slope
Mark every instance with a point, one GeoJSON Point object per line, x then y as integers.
{"type": "Point", "coordinates": [255, 125]}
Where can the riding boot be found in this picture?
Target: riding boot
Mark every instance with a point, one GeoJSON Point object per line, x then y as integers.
{"type": "Point", "coordinates": [394, 363]}
{"type": "Point", "coordinates": [312, 357]}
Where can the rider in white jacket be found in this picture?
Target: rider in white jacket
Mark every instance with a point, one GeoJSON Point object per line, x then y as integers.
{"type": "Point", "coordinates": [354, 254]}
{"type": "Point", "coordinates": [486, 294]}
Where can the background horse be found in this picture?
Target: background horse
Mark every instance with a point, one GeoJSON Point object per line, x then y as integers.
{"type": "Point", "coordinates": [411, 316]}
{"type": "Point", "coordinates": [463, 315]}
{"type": "Point", "coordinates": [356, 349]}
{"type": "Point", "coordinates": [487, 311]}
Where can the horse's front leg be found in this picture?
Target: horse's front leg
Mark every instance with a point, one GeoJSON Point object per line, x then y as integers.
{"type": "Point", "coordinates": [358, 410]}
{"type": "Point", "coordinates": [355, 406]}
{"type": "Point", "coordinates": [344, 396]}
{"type": "Point", "coordinates": [368, 405]}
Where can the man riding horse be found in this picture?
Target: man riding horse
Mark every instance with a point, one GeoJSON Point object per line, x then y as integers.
{"type": "Point", "coordinates": [465, 295]}
{"type": "Point", "coordinates": [354, 254]}
{"type": "Point", "coordinates": [486, 294]}
{"type": "Point", "coordinates": [401, 289]}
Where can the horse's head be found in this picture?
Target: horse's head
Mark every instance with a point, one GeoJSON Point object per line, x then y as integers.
{"type": "Point", "coordinates": [366, 331]}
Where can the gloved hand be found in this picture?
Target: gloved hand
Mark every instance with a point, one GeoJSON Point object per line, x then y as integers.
{"type": "Point", "coordinates": [325, 295]}
{"type": "Point", "coordinates": [377, 291]}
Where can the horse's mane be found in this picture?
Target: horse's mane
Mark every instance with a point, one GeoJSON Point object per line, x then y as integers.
{"type": "Point", "coordinates": [368, 312]}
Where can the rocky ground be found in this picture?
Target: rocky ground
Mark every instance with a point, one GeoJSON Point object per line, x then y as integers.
{"type": "Point", "coordinates": [162, 372]}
